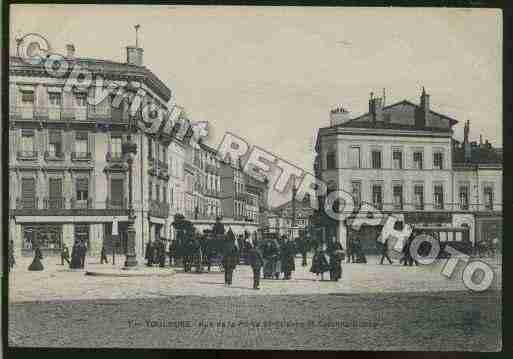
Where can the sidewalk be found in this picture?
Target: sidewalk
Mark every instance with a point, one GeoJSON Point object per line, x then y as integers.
{"type": "Point", "coordinates": [59, 283]}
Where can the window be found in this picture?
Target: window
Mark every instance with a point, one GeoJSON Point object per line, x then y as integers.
{"type": "Point", "coordinates": [81, 99]}
{"type": "Point", "coordinates": [417, 160]}
{"type": "Point", "coordinates": [82, 189]}
{"type": "Point", "coordinates": [81, 144]}
{"type": "Point", "coordinates": [55, 144]}
{"type": "Point", "coordinates": [157, 192]}
{"type": "Point", "coordinates": [439, 196]}
{"type": "Point", "coordinates": [438, 159]}
{"type": "Point", "coordinates": [27, 98]}
{"type": "Point", "coordinates": [330, 160]}
{"type": "Point", "coordinates": [55, 99]}
{"type": "Point", "coordinates": [356, 190]}
{"type": "Point", "coordinates": [27, 141]}
{"type": "Point", "coordinates": [464, 197]}
{"type": "Point", "coordinates": [28, 193]}
{"type": "Point", "coordinates": [164, 194]}
{"type": "Point", "coordinates": [150, 190]}
{"type": "Point", "coordinates": [398, 196]}
{"type": "Point", "coordinates": [376, 159]}
{"type": "Point", "coordinates": [47, 236]}
{"type": "Point", "coordinates": [354, 157]}
{"type": "Point", "coordinates": [397, 159]}
{"type": "Point", "coordinates": [488, 198]}
{"type": "Point", "coordinates": [377, 196]}
{"type": "Point", "coordinates": [55, 193]}
{"type": "Point", "coordinates": [418, 194]}
{"type": "Point", "coordinates": [117, 191]}
{"type": "Point", "coordinates": [116, 146]}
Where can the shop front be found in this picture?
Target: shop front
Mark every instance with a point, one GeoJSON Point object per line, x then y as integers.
{"type": "Point", "coordinates": [47, 236]}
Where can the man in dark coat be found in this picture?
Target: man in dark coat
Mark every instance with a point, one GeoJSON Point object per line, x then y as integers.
{"type": "Point", "coordinates": [64, 254]}
{"type": "Point", "coordinates": [172, 253]}
{"type": "Point", "coordinates": [320, 262]}
{"type": "Point", "coordinates": [384, 253]}
{"type": "Point", "coordinates": [256, 261]}
{"type": "Point", "coordinates": [148, 253]}
{"type": "Point", "coordinates": [161, 253]}
{"type": "Point", "coordinates": [350, 251]}
{"type": "Point", "coordinates": [336, 255]}
{"type": "Point", "coordinates": [230, 261]}
{"type": "Point", "coordinates": [103, 255]}
{"type": "Point", "coordinates": [288, 254]}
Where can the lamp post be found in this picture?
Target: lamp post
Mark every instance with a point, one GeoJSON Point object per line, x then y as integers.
{"type": "Point", "coordinates": [130, 150]}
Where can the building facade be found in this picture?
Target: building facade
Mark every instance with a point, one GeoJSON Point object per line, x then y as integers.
{"type": "Point", "coordinates": [400, 159]}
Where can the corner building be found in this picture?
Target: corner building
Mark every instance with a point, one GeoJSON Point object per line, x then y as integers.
{"type": "Point", "coordinates": [403, 160]}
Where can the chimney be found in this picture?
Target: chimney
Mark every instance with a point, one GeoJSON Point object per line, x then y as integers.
{"type": "Point", "coordinates": [70, 50]}
{"type": "Point", "coordinates": [338, 116]}
{"type": "Point", "coordinates": [423, 111]}
{"type": "Point", "coordinates": [134, 55]}
{"type": "Point", "coordinates": [376, 108]}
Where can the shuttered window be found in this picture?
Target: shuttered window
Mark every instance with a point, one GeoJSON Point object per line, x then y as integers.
{"type": "Point", "coordinates": [28, 192]}
{"type": "Point", "coordinates": [82, 189]}
{"type": "Point", "coordinates": [116, 190]}
{"type": "Point", "coordinates": [55, 188]}
{"type": "Point", "coordinates": [55, 143]}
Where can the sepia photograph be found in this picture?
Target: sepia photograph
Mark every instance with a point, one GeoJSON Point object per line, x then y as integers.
{"type": "Point", "coordinates": [254, 177]}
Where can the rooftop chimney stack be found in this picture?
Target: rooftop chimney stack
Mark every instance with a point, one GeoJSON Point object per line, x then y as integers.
{"type": "Point", "coordinates": [70, 50]}
{"type": "Point", "coordinates": [376, 108]}
{"type": "Point", "coordinates": [339, 115]}
{"type": "Point", "coordinates": [134, 54]}
{"type": "Point", "coordinates": [423, 111]}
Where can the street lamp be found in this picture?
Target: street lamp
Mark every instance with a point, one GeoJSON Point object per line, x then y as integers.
{"type": "Point", "coordinates": [130, 151]}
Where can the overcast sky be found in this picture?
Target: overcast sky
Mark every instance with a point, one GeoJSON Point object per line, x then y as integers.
{"type": "Point", "coordinates": [271, 74]}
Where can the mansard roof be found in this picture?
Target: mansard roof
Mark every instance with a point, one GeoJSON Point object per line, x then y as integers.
{"type": "Point", "coordinates": [106, 68]}
{"type": "Point", "coordinates": [401, 115]}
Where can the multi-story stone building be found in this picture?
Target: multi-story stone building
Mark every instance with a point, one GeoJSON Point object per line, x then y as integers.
{"type": "Point", "coordinates": [400, 158]}
{"type": "Point", "coordinates": [68, 178]}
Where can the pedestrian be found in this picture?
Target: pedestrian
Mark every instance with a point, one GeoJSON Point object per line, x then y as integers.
{"type": "Point", "coordinates": [320, 262]}
{"type": "Point", "coordinates": [148, 254]}
{"type": "Point", "coordinates": [350, 251]}
{"type": "Point", "coordinates": [256, 261]}
{"type": "Point", "coordinates": [36, 264]}
{"type": "Point", "coordinates": [172, 252]}
{"type": "Point", "coordinates": [336, 255]}
{"type": "Point", "coordinates": [75, 256]}
{"type": "Point", "coordinates": [384, 253]}
{"type": "Point", "coordinates": [230, 260]}
{"type": "Point", "coordinates": [358, 251]}
{"type": "Point", "coordinates": [65, 254]}
{"type": "Point", "coordinates": [103, 255]}
{"type": "Point", "coordinates": [11, 258]}
{"type": "Point", "coordinates": [268, 253]}
{"type": "Point", "coordinates": [408, 258]}
{"type": "Point", "coordinates": [83, 253]}
{"type": "Point", "coordinates": [288, 254]}
{"type": "Point", "coordinates": [161, 253]}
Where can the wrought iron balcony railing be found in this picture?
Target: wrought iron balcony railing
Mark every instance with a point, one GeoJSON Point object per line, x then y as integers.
{"type": "Point", "coordinates": [54, 203]}
{"type": "Point", "coordinates": [23, 203]}
{"type": "Point", "coordinates": [114, 157]}
{"type": "Point", "coordinates": [54, 156]}
{"type": "Point", "coordinates": [77, 156]}
{"type": "Point", "coordinates": [27, 155]}
{"type": "Point", "coordinates": [82, 204]}
{"type": "Point", "coordinates": [117, 203]}
{"type": "Point", "coordinates": [159, 209]}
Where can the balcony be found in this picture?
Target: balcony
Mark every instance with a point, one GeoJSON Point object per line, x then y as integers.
{"type": "Point", "coordinates": [27, 203]}
{"type": "Point", "coordinates": [212, 193]}
{"type": "Point", "coordinates": [54, 156]}
{"type": "Point", "coordinates": [22, 113]}
{"type": "Point", "coordinates": [27, 155]}
{"type": "Point", "coordinates": [240, 196]}
{"type": "Point", "coordinates": [80, 156]}
{"type": "Point", "coordinates": [54, 203]}
{"type": "Point", "coordinates": [159, 209]}
{"type": "Point", "coordinates": [82, 204]}
{"type": "Point", "coordinates": [117, 203]}
{"type": "Point", "coordinates": [114, 157]}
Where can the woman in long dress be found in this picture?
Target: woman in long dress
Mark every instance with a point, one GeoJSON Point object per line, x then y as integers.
{"type": "Point", "coordinates": [36, 264]}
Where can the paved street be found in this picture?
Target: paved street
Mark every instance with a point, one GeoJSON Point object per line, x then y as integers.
{"type": "Point", "coordinates": [373, 307]}
{"type": "Point", "coordinates": [58, 283]}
